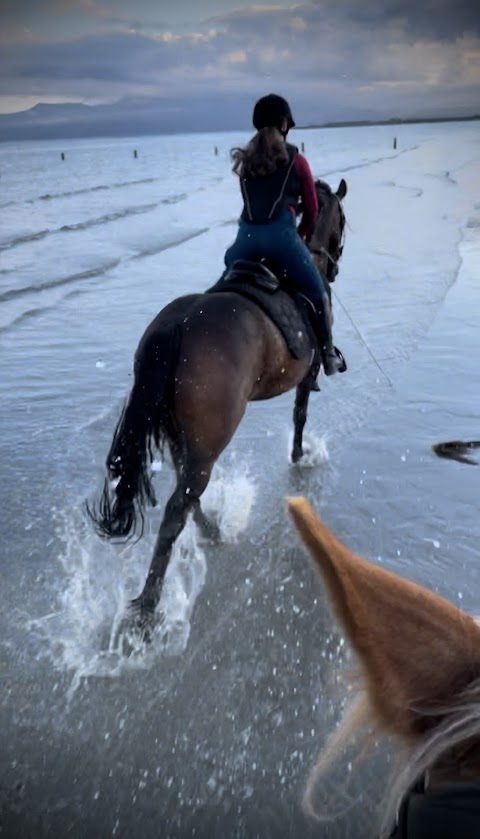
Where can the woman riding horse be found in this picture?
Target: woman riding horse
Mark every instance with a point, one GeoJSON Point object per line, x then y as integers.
{"type": "Point", "coordinates": [273, 177]}
{"type": "Point", "coordinates": [199, 363]}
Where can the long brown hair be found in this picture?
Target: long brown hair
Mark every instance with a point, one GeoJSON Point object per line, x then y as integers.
{"type": "Point", "coordinates": [265, 153]}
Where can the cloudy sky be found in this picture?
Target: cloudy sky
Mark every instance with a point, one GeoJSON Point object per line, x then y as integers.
{"type": "Point", "coordinates": [333, 59]}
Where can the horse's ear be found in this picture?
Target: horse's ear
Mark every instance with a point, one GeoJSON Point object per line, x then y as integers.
{"type": "Point", "coordinates": [417, 651]}
{"type": "Point", "coordinates": [342, 189]}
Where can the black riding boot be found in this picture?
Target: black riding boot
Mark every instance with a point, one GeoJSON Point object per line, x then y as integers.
{"type": "Point", "coordinates": [332, 359]}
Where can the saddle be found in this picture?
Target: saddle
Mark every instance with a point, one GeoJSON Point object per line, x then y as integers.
{"type": "Point", "coordinates": [257, 272]}
{"type": "Point", "coordinates": [292, 312]}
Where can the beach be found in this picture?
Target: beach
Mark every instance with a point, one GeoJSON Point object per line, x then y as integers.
{"type": "Point", "coordinates": [212, 732]}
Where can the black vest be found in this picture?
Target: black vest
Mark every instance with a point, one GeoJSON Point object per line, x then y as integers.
{"type": "Point", "coordinates": [266, 197]}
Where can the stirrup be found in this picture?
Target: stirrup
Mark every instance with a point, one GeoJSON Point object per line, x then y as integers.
{"type": "Point", "coordinates": [342, 363]}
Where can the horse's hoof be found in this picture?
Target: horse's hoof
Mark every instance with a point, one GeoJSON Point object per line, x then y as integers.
{"type": "Point", "coordinates": [297, 455]}
{"type": "Point", "coordinates": [208, 529]}
{"type": "Point", "coordinates": [141, 619]}
{"type": "Point", "coordinates": [212, 532]}
{"type": "Point", "coordinates": [135, 630]}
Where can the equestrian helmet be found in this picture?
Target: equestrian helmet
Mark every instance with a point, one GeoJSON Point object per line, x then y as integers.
{"type": "Point", "coordinates": [270, 111]}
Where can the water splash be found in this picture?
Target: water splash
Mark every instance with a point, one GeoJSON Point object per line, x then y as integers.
{"type": "Point", "coordinates": [98, 579]}
{"type": "Point", "coordinates": [315, 451]}
{"type": "Point", "coordinates": [229, 498]}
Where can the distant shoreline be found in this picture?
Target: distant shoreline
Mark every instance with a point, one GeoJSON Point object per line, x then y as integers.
{"type": "Point", "coordinates": [359, 123]}
{"type": "Point", "coordinates": [32, 131]}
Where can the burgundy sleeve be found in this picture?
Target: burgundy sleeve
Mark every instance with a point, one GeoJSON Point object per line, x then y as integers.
{"type": "Point", "coordinates": [309, 197]}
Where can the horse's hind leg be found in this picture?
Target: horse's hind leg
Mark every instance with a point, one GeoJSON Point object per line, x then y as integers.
{"type": "Point", "coordinates": [207, 528]}
{"type": "Point", "coordinates": [300, 414]}
{"type": "Point", "coordinates": [192, 480]}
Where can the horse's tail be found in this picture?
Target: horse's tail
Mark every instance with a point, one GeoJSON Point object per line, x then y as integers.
{"type": "Point", "coordinates": [142, 426]}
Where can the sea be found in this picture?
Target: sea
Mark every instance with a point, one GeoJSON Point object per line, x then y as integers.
{"type": "Point", "coordinates": [211, 732]}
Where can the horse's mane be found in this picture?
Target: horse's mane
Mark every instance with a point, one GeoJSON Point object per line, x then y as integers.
{"type": "Point", "coordinates": [457, 733]}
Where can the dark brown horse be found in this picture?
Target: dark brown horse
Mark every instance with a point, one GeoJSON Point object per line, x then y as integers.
{"type": "Point", "coordinates": [198, 364]}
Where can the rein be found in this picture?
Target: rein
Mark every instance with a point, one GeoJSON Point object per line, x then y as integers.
{"type": "Point", "coordinates": [323, 187]}
{"type": "Point", "coordinates": [324, 252]}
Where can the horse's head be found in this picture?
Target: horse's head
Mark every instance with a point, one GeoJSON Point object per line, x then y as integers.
{"type": "Point", "coordinates": [420, 660]}
{"type": "Point", "coordinates": [326, 243]}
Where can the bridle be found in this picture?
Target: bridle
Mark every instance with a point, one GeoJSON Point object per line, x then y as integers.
{"type": "Point", "coordinates": [334, 257]}
{"type": "Point", "coordinates": [323, 252]}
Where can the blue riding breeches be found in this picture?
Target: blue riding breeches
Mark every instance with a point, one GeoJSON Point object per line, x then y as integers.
{"type": "Point", "coordinates": [279, 243]}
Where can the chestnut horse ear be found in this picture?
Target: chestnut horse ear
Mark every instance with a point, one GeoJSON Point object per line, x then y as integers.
{"type": "Point", "coordinates": [342, 189]}
{"type": "Point", "coordinates": [417, 651]}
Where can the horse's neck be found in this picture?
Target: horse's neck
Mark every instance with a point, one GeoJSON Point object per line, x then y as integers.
{"type": "Point", "coordinates": [325, 226]}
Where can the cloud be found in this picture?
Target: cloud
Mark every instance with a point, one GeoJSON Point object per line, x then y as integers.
{"type": "Point", "coordinates": [384, 56]}
{"type": "Point", "coordinates": [432, 19]}
{"type": "Point", "coordinates": [298, 24]}
{"type": "Point", "coordinates": [235, 57]}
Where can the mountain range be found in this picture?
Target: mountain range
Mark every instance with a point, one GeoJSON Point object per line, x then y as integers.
{"type": "Point", "coordinates": [133, 118]}
{"type": "Point", "coordinates": [126, 118]}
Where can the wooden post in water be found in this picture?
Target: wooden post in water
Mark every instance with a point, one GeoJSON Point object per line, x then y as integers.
{"type": "Point", "coordinates": [62, 155]}
{"type": "Point", "coordinates": [215, 150]}
{"type": "Point", "coordinates": [303, 147]}
{"type": "Point", "coordinates": [394, 142]}
{"type": "Point", "coordinates": [135, 153]}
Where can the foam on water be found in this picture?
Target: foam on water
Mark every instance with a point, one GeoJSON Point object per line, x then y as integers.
{"type": "Point", "coordinates": [228, 499]}
{"type": "Point", "coordinates": [83, 636]}
{"type": "Point", "coordinates": [315, 451]}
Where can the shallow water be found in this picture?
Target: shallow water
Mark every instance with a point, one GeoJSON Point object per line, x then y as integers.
{"type": "Point", "coordinates": [213, 732]}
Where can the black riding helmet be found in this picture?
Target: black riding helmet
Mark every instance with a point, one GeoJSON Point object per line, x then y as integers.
{"type": "Point", "coordinates": [270, 111]}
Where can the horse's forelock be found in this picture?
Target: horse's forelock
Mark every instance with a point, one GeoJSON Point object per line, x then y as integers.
{"type": "Point", "coordinates": [322, 186]}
